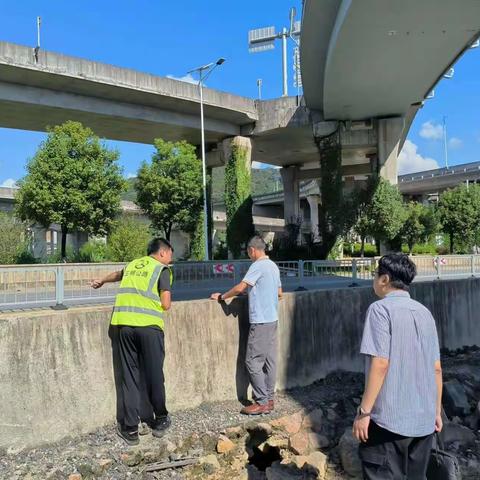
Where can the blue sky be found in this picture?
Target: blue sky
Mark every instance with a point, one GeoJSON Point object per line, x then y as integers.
{"type": "Point", "coordinates": [170, 38]}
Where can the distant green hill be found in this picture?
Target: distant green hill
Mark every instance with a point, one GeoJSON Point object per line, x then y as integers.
{"type": "Point", "coordinates": [263, 181]}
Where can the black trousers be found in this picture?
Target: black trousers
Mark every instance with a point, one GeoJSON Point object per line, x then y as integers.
{"type": "Point", "coordinates": [142, 354]}
{"type": "Point", "coordinates": [389, 456]}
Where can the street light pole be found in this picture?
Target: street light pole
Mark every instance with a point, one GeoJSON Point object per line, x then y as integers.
{"type": "Point", "coordinates": [204, 72]}
{"type": "Point", "coordinates": [204, 171]}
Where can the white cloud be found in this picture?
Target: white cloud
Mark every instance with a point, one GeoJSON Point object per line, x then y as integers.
{"type": "Point", "coordinates": [263, 166]}
{"type": "Point", "coordinates": [131, 175]}
{"type": "Point", "coordinates": [431, 131]}
{"type": "Point", "coordinates": [186, 78]}
{"type": "Point", "coordinates": [410, 161]}
{"type": "Point", "coordinates": [455, 142]}
{"type": "Point", "coordinates": [9, 183]}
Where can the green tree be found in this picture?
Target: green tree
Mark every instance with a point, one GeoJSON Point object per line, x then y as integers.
{"type": "Point", "coordinates": [197, 241]}
{"type": "Point", "coordinates": [413, 230]}
{"type": "Point", "coordinates": [169, 190]}
{"type": "Point", "coordinates": [336, 212]}
{"type": "Point", "coordinates": [429, 220]}
{"type": "Point", "coordinates": [459, 214]}
{"type": "Point", "coordinates": [362, 200]}
{"type": "Point", "coordinates": [386, 212]}
{"type": "Point", "coordinates": [73, 180]}
{"type": "Point", "coordinates": [128, 240]}
{"type": "Point", "coordinates": [13, 239]}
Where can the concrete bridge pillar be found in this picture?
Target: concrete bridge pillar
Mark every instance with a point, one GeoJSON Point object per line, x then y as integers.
{"type": "Point", "coordinates": [291, 194]}
{"type": "Point", "coordinates": [313, 201]}
{"type": "Point", "coordinates": [237, 156]}
{"type": "Point", "coordinates": [389, 134]}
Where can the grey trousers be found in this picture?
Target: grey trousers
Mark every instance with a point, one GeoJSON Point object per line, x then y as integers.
{"type": "Point", "coordinates": [261, 360]}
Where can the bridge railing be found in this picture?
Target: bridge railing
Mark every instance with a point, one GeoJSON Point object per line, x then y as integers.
{"type": "Point", "coordinates": [58, 285]}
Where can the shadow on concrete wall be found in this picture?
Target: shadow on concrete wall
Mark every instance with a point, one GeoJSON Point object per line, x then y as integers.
{"type": "Point", "coordinates": [321, 333]}
{"type": "Point", "coordinates": [238, 308]}
{"type": "Point", "coordinates": [146, 409]}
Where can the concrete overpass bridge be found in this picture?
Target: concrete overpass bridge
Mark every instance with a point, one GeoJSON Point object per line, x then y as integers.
{"type": "Point", "coordinates": [430, 183]}
{"type": "Point", "coordinates": [366, 67]}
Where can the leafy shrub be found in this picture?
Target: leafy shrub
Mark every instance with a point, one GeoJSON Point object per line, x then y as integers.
{"type": "Point", "coordinates": [370, 250]}
{"type": "Point", "coordinates": [94, 251]}
{"type": "Point", "coordinates": [128, 240]}
{"type": "Point", "coordinates": [13, 239]}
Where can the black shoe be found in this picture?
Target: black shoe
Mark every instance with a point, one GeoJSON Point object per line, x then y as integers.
{"type": "Point", "coordinates": [160, 426]}
{"type": "Point", "coordinates": [129, 436]}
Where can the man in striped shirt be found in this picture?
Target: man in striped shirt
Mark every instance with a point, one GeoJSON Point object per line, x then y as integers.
{"type": "Point", "coordinates": [401, 405]}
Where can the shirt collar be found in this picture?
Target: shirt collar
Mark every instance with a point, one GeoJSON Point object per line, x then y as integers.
{"type": "Point", "coordinates": [398, 293]}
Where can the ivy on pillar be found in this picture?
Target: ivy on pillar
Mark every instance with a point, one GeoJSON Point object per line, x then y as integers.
{"type": "Point", "coordinates": [237, 153]}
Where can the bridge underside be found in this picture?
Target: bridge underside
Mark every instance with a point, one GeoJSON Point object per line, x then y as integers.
{"type": "Point", "coordinates": [376, 58]}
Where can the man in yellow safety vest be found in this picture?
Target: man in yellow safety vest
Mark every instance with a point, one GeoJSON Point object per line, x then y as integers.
{"type": "Point", "coordinates": [144, 294]}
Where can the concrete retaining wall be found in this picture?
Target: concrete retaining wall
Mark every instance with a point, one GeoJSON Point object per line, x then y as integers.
{"type": "Point", "coordinates": [56, 375]}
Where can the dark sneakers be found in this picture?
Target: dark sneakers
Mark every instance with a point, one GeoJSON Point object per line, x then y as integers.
{"type": "Point", "coordinates": [160, 425]}
{"type": "Point", "coordinates": [129, 436]}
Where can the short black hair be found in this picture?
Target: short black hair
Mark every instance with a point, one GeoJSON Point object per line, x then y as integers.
{"type": "Point", "coordinates": [400, 269]}
{"type": "Point", "coordinates": [157, 244]}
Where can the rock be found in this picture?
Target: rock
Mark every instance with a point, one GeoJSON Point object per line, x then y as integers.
{"type": "Point", "coordinates": [316, 464]}
{"type": "Point", "coordinates": [210, 463]}
{"type": "Point", "coordinates": [104, 464]}
{"type": "Point", "coordinates": [455, 399]}
{"type": "Point", "coordinates": [317, 441]}
{"type": "Point", "coordinates": [457, 433]}
{"type": "Point", "coordinates": [55, 474]}
{"type": "Point", "coordinates": [153, 455]}
{"type": "Point", "coordinates": [88, 470]}
{"type": "Point", "coordinates": [132, 458]}
{"type": "Point", "coordinates": [332, 415]}
{"type": "Point", "coordinates": [261, 428]}
{"type": "Point", "coordinates": [283, 472]}
{"type": "Point", "coordinates": [15, 450]}
{"type": "Point", "coordinates": [299, 443]}
{"type": "Point", "coordinates": [313, 420]}
{"type": "Point", "coordinates": [168, 446]}
{"type": "Point", "coordinates": [290, 424]}
{"type": "Point", "coordinates": [348, 451]}
{"type": "Point", "coordinates": [224, 444]}
{"type": "Point", "coordinates": [471, 371]}
{"type": "Point", "coordinates": [234, 432]}
{"type": "Point", "coordinates": [276, 441]}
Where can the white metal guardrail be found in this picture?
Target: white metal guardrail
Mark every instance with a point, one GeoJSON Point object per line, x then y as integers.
{"type": "Point", "coordinates": [58, 285]}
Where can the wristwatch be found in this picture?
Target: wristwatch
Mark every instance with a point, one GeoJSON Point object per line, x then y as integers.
{"type": "Point", "coordinates": [220, 299]}
{"type": "Point", "coordinates": [362, 413]}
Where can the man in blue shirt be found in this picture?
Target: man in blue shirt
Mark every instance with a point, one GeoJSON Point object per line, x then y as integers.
{"type": "Point", "coordinates": [264, 290]}
{"type": "Point", "coordinates": [401, 405]}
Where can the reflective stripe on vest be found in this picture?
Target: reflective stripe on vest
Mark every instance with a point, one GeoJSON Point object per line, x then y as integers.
{"type": "Point", "coordinates": [138, 303]}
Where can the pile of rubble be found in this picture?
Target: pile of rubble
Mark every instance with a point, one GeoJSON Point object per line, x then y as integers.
{"type": "Point", "coordinates": [309, 437]}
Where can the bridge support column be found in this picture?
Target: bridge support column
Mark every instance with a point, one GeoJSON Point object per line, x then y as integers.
{"type": "Point", "coordinates": [313, 203]}
{"type": "Point", "coordinates": [291, 194]}
{"type": "Point", "coordinates": [389, 135]}
{"type": "Point", "coordinates": [237, 156]}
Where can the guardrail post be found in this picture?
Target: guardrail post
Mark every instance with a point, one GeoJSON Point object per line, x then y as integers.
{"type": "Point", "coordinates": [354, 269]}
{"type": "Point", "coordinates": [235, 273]}
{"type": "Point", "coordinates": [59, 289]}
{"type": "Point", "coordinates": [439, 267]}
{"type": "Point", "coordinates": [472, 265]}
{"type": "Point", "coordinates": [301, 273]}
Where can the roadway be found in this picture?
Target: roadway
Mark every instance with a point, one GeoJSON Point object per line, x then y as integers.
{"type": "Point", "coordinates": [11, 302]}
